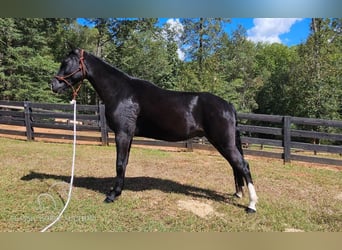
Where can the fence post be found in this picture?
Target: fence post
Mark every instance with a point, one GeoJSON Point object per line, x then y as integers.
{"type": "Point", "coordinates": [28, 121]}
{"type": "Point", "coordinates": [188, 145]}
{"type": "Point", "coordinates": [103, 125]}
{"type": "Point", "coordinates": [287, 138]}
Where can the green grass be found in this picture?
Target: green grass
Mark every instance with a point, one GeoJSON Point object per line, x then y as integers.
{"type": "Point", "coordinates": [293, 196]}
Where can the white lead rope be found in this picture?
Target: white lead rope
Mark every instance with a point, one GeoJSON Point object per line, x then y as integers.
{"type": "Point", "coordinates": [72, 173]}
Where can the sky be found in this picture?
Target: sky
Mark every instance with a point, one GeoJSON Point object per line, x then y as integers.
{"type": "Point", "coordinates": [287, 31]}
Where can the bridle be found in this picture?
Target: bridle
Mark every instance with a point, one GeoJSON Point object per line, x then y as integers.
{"type": "Point", "coordinates": [81, 68]}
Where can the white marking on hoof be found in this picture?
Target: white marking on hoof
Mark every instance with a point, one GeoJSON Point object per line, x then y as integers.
{"type": "Point", "coordinates": [253, 198]}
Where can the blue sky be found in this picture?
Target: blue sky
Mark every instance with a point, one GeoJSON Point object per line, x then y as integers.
{"type": "Point", "coordinates": [288, 31]}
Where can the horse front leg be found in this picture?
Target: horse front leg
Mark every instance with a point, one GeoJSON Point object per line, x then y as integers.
{"type": "Point", "coordinates": [123, 146]}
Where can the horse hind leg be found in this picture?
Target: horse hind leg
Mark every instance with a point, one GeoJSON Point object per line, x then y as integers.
{"type": "Point", "coordinates": [253, 198]}
{"type": "Point", "coordinates": [242, 167]}
{"type": "Point", "coordinates": [238, 179]}
{"type": "Point", "coordinates": [241, 171]}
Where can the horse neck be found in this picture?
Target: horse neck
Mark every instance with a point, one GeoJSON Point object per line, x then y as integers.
{"type": "Point", "coordinates": [106, 79]}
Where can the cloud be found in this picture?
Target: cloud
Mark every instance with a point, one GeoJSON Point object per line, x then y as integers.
{"type": "Point", "coordinates": [176, 27]}
{"type": "Point", "coordinates": [269, 29]}
{"type": "Point", "coordinates": [181, 54]}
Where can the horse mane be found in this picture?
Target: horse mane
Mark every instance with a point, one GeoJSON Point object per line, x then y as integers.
{"type": "Point", "coordinates": [110, 67]}
{"type": "Point", "coordinates": [117, 71]}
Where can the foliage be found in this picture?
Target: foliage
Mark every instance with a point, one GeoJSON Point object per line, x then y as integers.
{"type": "Point", "coordinates": [275, 66]}
{"type": "Point", "coordinates": [303, 80]}
{"type": "Point", "coordinates": [26, 62]}
{"type": "Point", "coordinates": [315, 83]}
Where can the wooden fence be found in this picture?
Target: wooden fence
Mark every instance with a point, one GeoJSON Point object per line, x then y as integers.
{"type": "Point", "coordinates": [282, 137]}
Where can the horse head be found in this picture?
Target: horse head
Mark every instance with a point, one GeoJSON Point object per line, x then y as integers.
{"type": "Point", "coordinates": [71, 72]}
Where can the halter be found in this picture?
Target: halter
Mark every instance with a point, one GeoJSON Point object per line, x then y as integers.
{"type": "Point", "coordinates": [81, 68]}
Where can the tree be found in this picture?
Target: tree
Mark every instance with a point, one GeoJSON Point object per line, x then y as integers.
{"type": "Point", "coordinates": [316, 80]}
{"type": "Point", "coordinates": [25, 61]}
{"type": "Point", "coordinates": [201, 40]}
{"type": "Point", "coordinates": [275, 64]}
{"type": "Point", "coordinates": [237, 60]}
{"type": "Point", "coordinates": [8, 35]}
{"type": "Point", "coordinates": [140, 49]}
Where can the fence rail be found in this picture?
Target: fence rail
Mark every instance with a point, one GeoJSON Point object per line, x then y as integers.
{"type": "Point", "coordinates": [282, 137]}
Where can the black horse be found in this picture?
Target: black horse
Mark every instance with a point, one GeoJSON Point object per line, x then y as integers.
{"type": "Point", "coordinates": [136, 107]}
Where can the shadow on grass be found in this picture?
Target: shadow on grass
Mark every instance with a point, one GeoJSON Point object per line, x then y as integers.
{"type": "Point", "coordinates": [102, 185]}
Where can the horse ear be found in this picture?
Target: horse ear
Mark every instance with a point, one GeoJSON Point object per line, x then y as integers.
{"type": "Point", "coordinates": [73, 49]}
{"type": "Point", "coordinates": [70, 45]}
{"type": "Point", "coordinates": [76, 51]}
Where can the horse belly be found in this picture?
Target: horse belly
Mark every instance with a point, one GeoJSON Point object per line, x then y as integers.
{"type": "Point", "coordinates": [168, 129]}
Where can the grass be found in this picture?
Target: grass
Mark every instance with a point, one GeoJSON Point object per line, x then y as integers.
{"type": "Point", "coordinates": [35, 175]}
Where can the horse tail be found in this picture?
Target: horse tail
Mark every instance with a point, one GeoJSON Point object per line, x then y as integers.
{"type": "Point", "coordinates": [238, 142]}
{"type": "Point", "coordinates": [239, 180]}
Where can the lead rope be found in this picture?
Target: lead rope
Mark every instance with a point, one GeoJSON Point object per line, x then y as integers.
{"type": "Point", "coordinates": [72, 173]}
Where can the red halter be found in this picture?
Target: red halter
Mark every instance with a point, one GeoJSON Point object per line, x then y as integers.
{"type": "Point", "coordinates": [81, 68]}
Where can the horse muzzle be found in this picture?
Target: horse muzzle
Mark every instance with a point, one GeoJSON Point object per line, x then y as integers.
{"type": "Point", "coordinates": [57, 86]}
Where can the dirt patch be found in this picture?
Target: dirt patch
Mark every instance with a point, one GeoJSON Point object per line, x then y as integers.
{"type": "Point", "coordinates": [338, 197]}
{"type": "Point", "coordinates": [293, 230]}
{"type": "Point", "coordinates": [201, 209]}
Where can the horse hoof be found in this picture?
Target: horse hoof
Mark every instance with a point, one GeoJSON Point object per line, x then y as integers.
{"type": "Point", "coordinates": [236, 195]}
{"type": "Point", "coordinates": [109, 199]}
{"type": "Point", "coordinates": [250, 211]}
